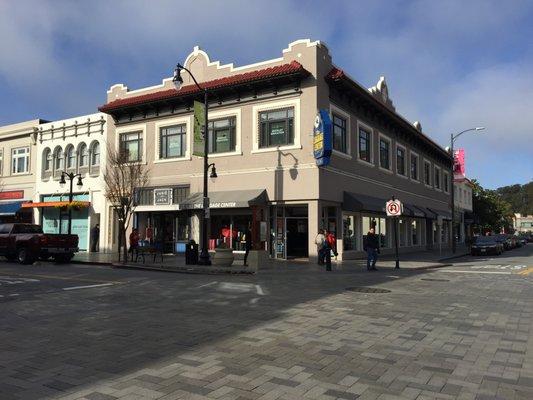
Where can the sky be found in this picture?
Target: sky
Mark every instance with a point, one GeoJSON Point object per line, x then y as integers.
{"type": "Point", "coordinates": [452, 65]}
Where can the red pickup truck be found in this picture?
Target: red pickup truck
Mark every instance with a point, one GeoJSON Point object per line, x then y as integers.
{"type": "Point", "coordinates": [27, 243]}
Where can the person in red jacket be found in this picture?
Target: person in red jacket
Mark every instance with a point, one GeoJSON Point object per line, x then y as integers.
{"type": "Point", "coordinates": [331, 245]}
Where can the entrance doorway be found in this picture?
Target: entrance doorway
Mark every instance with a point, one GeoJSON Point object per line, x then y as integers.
{"type": "Point", "coordinates": [297, 236]}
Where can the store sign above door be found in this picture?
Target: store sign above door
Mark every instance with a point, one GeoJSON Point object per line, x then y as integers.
{"type": "Point", "coordinates": [322, 138]}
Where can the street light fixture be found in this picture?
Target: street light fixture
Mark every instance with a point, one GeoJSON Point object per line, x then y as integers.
{"type": "Point", "coordinates": [71, 176]}
{"type": "Point", "coordinates": [453, 138]}
{"type": "Point", "coordinates": [177, 80]}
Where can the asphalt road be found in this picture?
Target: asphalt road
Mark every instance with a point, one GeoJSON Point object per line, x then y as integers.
{"type": "Point", "coordinates": [78, 331]}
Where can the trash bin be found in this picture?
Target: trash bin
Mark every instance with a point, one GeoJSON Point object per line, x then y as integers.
{"type": "Point", "coordinates": [191, 253]}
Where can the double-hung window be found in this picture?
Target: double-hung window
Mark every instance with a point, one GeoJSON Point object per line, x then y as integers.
{"type": "Point", "coordinates": [95, 154]}
{"type": "Point", "coordinates": [84, 155]}
{"type": "Point", "coordinates": [172, 141]}
{"type": "Point", "coordinates": [446, 182]}
{"type": "Point", "coordinates": [222, 135]}
{"type": "Point", "coordinates": [276, 127]}
{"type": "Point", "coordinates": [384, 153]}
{"type": "Point", "coordinates": [365, 145]}
{"type": "Point", "coordinates": [20, 163]}
{"type": "Point", "coordinates": [437, 178]}
{"type": "Point", "coordinates": [427, 173]}
{"type": "Point", "coordinates": [400, 161]}
{"type": "Point", "coordinates": [131, 146]}
{"type": "Point", "coordinates": [70, 157]}
{"type": "Point", "coordinates": [339, 133]}
{"type": "Point", "coordinates": [414, 167]}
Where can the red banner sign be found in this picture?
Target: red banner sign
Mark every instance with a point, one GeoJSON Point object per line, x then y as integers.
{"type": "Point", "coordinates": [12, 195]}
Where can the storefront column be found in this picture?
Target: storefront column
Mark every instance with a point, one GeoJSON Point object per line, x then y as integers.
{"type": "Point", "coordinates": [314, 220]}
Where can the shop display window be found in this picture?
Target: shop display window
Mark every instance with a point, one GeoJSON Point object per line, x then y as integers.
{"type": "Point", "coordinates": [380, 228]}
{"type": "Point", "coordinates": [349, 237]}
{"type": "Point", "coordinates": [230, 230]}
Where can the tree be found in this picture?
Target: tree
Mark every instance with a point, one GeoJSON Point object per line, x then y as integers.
{"type": "Point", "coordinates": [519, 196]}
{"type": "Point", "coordinates": [492, 212]}
{"type": "Point", "coordinates": [123, 179]}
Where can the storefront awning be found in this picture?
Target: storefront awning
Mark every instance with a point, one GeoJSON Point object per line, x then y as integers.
{"type": "Point", "coordinates": [413, 211]}
{"type": "Point", "coordinates": [441, 213]}
{"type": "Point", "coordinates": [10, 208]}
{"type": "Point", "coordinates": [229, 199]}
{"type": "Point", "coordinates": [361, 202]}
{"type": "Point", "coordinates": [55, 204]}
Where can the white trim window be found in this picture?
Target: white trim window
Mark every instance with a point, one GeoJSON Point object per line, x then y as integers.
{"type": "Point", "coordinates": [384, 153]}
{"type": "Point", "coordinates": [427, 173]}
{"type": "Point", "coordinates": [131, 146]}
{"type": "Point", "coordinates": [414, 167]}
{"type": "Point", "coordinates": [223, 135]}
{"type": "Point", "coordinates": [83, 155]}
{"type": "Point", "coordinates": [437, 177]}
{"type": "Point", "coordinates": [276, 127]}
{"type": "Point", "coordinates": [47, 160]}
{"type": "Point", "coordinates": [172, 141]}
{"type": "Point", "coordinates": [70, 157]}
{"type": "Point", "coordinates": [364, 140]}
{"type": "Point", "coordinates": [95, 154]}
{"type": "Point", "coordinates": [20, 160]}
{"type": "Point", "coordinates": [401, 158]}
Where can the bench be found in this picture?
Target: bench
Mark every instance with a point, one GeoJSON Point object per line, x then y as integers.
{"type": "Point", "coordinates": [151, 250]}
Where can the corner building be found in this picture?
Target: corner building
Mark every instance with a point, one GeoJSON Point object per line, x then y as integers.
{"type": "Point", "coordinates": [261, 119]}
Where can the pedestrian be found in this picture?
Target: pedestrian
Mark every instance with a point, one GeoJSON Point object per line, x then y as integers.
{"type": "Point", "coordinates": [371, 246]}
{"type": "Point", "coordinates": [134, 242]}
{"type": "Point", "coordinates": [332, 242]}
{"type": "Point", "coordinates": [247, 244]}
{"type": "Point", "coordinates": [149, 234]}
{"type": "Point", "coordinates": [95, 238]}
{"type": "Point", "coordinates": [320, 241]}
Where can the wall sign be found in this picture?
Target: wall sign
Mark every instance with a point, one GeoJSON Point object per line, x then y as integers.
{"type": "Point", "coordinates": [12, 195]}
{"type": "Point", "coordinates": [162, 197]}
{"type": "Point", "coordinates": [322, 138]}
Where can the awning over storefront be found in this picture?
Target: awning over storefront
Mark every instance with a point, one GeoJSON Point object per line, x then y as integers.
{"type": "Point", "coordinates": [361, 202]}
{"type": "Point", "coordinates": [413, 211]}
{"type": "Point", "coordinates": [229, 199]}
{"type": "Point", "coordinates": [10, 208]}
{"type": "Point", "coordinates": [441, 213]}
{"type": "Point", "coordinates": [58, 204]}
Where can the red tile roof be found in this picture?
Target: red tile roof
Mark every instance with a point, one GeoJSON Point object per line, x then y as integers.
{"type": "Point", "coordinates": [335, 73]}
{"type": "Point", "coordinates": [247, 77]}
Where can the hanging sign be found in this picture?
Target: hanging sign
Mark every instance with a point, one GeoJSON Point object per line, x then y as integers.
{"type": "Point", "coordinates": [394, 208]}
{"type": "Point", "coordinates": [199, 122]}
{"type": "Point", "coordinates": [322, 138]}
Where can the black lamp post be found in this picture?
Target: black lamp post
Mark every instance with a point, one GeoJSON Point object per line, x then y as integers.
{"type": "Point", "coordinates": [453, 138]}
{"type": "Point", "coordinates": [204, 258]}
{"type": "Point", "coordinates": [71, 176]}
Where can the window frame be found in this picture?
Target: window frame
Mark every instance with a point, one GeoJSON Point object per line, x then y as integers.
{"type": "Point", "coordinates": [339, 112]}
{"type": "Point", "coordinates": [384, 138]}
{"type": "Point", "coordinates": [67, 155]}
{"type": "Point", "coordinates": [425, 180]}
{"type": "Point", "coordinates": [15, 157]}
{"type": "Point", "coordinates": [437, 173]}
{"type": "Point", "coordinates": [212, 134]}
{"type": "Point", "coordinates": [187, 121]}
{"type": "Point", "coordinates": [140, 144]}
{"type": "Point", "coordinates": [137, 128]}
{"type": "Point", "coordinates": [415, 155]}
{"type": "Point", "coordinates": [404, 149]}
{"type": "Point", "coordinates": [58, 151]}
{"type": "Point", "coordinates": [47, 152]}
{"type": "Point", "coordinates": [288, 125]}
{"type": "Point", "coordinates": [92, 154]}
{"type": "Point", "coordinates": [370, 131]}
{"type": "Point", "coordinates": [161, 138]}
{"type": "Point", "coordinates": [446, 182]}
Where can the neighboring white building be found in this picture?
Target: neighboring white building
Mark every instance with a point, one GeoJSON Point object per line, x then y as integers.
{"type": "Point", "coordinates": [523, 223]}
{"type": "Point", "coordinates": [76, 145]}
{"type": "Point", "coordinates": [463, 207]}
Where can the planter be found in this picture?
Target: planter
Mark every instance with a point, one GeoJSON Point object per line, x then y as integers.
{"type": "Point", "coordinates": [223, 257]}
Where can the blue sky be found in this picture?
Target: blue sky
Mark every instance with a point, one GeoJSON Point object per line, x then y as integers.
{"type": "Point", "coordinates": [450, 64]}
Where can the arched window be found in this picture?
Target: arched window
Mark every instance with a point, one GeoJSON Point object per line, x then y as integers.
{"type": "Point", "coordinates": [47, 159]}
{"type": "Point", "coordinates": [84, 155]}
{"type": "Point", "coordinates": [70, 157]}
{"type": "Point", "coordinates": [58, 159]}
{"type": "Point", "coordinates": [95, 154]}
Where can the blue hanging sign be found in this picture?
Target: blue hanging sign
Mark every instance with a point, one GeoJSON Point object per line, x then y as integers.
{"type": "Point", "coordinates": [322, 138]}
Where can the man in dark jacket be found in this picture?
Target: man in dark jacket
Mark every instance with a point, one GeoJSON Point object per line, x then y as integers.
{"type": "Point", "coordinates": [371, 246]}
{"type": "Point", "coordinates": [95, 237]}
{"type": "Point", "coordinates": [247, 244]}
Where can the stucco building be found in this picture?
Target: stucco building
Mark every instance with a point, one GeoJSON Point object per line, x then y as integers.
{"type": "Point", "coordinates": [17, 169]}
{"type": "Point", "coordinates": [261, 120]}
{"type": "Point", "coordinates": [523, 223]}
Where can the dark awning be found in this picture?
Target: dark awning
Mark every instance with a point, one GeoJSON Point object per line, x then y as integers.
{"type": "Point", "coordinates": [441, 213]}
{"type": "Point", "coordinates": [413, 211]}
{"type": "Point", "coordinates": [361, 202]}
{"type": "Point", "coordinates": [229, 199]}
{"type": "Point", "coordinates": [10, 208]}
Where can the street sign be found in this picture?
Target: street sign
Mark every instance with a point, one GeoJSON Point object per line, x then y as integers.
{"type": "Point", "coordinates": [394, 208]}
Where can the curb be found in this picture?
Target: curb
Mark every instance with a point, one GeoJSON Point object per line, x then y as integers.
{"type": "Point", "coordinates": [185, 270]}
{"type": "Point", "coordinates": [456, 256]}
{"type": "Point", "coordinates": [102, 263]}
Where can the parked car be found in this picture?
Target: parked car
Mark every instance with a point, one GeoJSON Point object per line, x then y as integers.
{"type": "Point", "coordinates": [27, 242]}
{"type": "Point", "coordinates": [522, 240]}
{"type": "Point", "coordinates": [505, 240]}
{"type": "Point", "coordinates": [483, 245]}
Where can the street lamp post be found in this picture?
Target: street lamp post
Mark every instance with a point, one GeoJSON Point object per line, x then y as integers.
{"type": "Point", "coordinates": [177, 80]}
{"type": "Point", "coordinates": [71, 176]}
{"type": "Point", "coordinates": [453, 138]}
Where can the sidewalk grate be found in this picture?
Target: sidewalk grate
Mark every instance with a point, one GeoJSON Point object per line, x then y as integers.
{"type": "Point", "coordinates": [363, 289]}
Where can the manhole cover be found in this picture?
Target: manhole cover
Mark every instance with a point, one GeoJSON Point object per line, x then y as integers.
{"type": "Point", "coordinates": [362, 289]}
{"type": "Point", "coordinates": [434, 280]}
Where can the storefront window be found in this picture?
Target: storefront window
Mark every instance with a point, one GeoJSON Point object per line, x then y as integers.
{"type": "Point", "coordinates": [349, 238]}
{"type": "Point", "coordinates": [230, 230]}
{"type": "Point", "coordinates": [277, 127]}
{"type": "Point", "coordinates": [402, 226]}
{"type": "Point", "coordinates": [380, 229]}
{"type": "Point", "coordinates": [414, 233]}
{"type": "Point", "coordinates": [222, 135]}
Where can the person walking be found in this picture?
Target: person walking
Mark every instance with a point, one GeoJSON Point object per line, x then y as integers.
{"type": "Point", "coordinates": [371, 246]}
{"type": "Point", "coordinates": [134, 242]}
{"type": "Point", "coordinates": [95, 238]}
{"type": "Point", "coordinates": [247, 244]}
{"type": "Point", "coordinates": [320, 241]}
